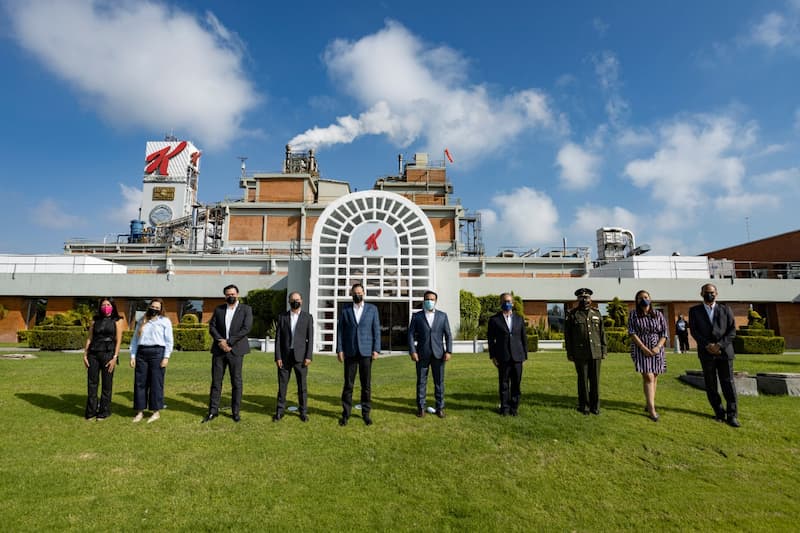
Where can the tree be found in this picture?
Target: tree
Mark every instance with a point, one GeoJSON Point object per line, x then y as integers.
{"type": "Point", "coordinates": [618, 312]}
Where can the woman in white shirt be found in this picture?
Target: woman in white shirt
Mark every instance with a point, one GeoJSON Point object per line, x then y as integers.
{"type": "Point", "coordinates": [151, 346]}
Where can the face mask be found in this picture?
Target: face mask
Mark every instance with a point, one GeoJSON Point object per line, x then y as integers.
{"type": "Point", "coordinates": [230, 299]}
{"type": "Point", "coordinates": [294, 304]}
{"type": "Point", "coordinates": [429, 305]}
{"type": "Point", "coordinates": [709, 297]}
{"type": "Point", "coordinates": [507, 306]}
{"type": "Point", "coordinates": [152, 312]}
{"type": "Point", "coordinates": [644, 302]}
{"type": "Point", "coordinates": [106, 310]}
{"type": "Point", "coordinates": [585, 301]}
{"type": "Point", "coordinates": [357, 298]}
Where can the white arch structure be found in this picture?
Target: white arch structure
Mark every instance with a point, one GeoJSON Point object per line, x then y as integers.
{"type": "Point", "coordinates": [377, 238]}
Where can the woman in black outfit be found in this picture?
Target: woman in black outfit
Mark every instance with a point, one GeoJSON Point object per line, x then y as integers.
{"type": "Point", "coordinates": [100, 357]}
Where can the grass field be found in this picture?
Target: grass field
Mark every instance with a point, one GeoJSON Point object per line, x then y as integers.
{"type": "Point", "coordinates": [550, 469]}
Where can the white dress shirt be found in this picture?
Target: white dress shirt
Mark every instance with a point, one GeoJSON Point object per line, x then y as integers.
{"type": "Point", "coordinates": [229, 312]}
{"type": "Point", "coordinates": [357, 310]}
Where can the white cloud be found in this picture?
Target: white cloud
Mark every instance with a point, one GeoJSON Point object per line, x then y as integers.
{"type": "Point", "coordinates": [772, 31]}
{"type": "Point", "coordinates": [143, 63]}
{"type": "Point", "coordinates": [523, 217]}
{"type": "Point", "coordinates": [578, 166]}
{"type": "Point", "coordinates": [696, 158]}
{"type": "Point", "coordinates": [600, 26]}
{"type": "Point", "coordinates": [635, 138]}
{"type": "Point", "coordinates": [48, 214]}
{"type": "Point", "coordinates": [786, 176]}
{"type": "Point", "coordinates": [413, 92]}
{"type": "Point", "coordinates": [606, 66]}
{"type": "Point", "coordinates": [129, 209]}
{"type": "Point", "coordinates": [591, 217]}
{"type": "Point", "coordinates": [735, 205]}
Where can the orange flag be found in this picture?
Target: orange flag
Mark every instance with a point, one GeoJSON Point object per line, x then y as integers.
{"type": "Point", "coordinates": [447, 153]}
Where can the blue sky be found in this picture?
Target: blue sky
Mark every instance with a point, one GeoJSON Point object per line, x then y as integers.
{"type": "Point", "coordinates": [678, 120]}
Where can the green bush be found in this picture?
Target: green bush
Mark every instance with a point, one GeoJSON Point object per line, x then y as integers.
{"type": "Point", "coordinates": [617, 312]}
{"type": "Point", "coordinates": [189, 318]}
{"type": "Point", "coordinates": [617, 340]}
{"type": "Point", "coordinates": [753, 344]}
{"type": "Point", "coordinates": [746, 331]}
{"type": "Point", "coordinates": [192, 339]}
{"type": "Point", "coordinates": [3, 312]}
{"type": "Point", "coordinates": [23, 335]}
{"type": "Point", "coordinates": [267, 304]}
{"type": "Point", "coordinates": [470, 312]}
{"type": "Point", "coordinates": [57, 338]}
{"type": "Point", "coordinates": [533, 343]}
{"type": "Point", "coordinates": [127, 336]}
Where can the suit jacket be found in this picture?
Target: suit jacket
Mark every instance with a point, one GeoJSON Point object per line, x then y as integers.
{"type": "Point", "coordinates": [240, 326]}
{"type": "Point", "coordinates": [363, 337]}
{"type": "Point", "coordinates": [302, 342]}
{"type": "Point", "coordinates": [431, 341]}
{"type": "Point", "coordinates": [505, 345]}
{"type": "Point", "coordinates": [704, 332]}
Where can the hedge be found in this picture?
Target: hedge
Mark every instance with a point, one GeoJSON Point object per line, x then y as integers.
{"type": "Point", "coordinates": [752, 344]}
{"type": "Point", "coordinates": [23, 334]}
{"type": "Point", "coordinates": [617, 340]}
{"type": "Point", "coordinates": [745, 331]}
{"type": "Point", "coordinates": [192, 339]}
{"type": "Point", "coordinates": [533, 343]}
{"type": "Point", "coordinates": [57, 337]}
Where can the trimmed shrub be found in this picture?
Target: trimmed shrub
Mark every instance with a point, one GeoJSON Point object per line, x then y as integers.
{"type": "Point", "coordinates": [267, 304]}
{"type": "Point", "coordinates": [127, 336]}
{"type": "Point", "coordinates": [57, 337]}
{"type": "Point", "coordinates": [23, 335]}
{"type": "Point", "coordinates": [746, 331]}
{"type": "Point", "coordinates": [533, 343]}
{"type": "Point", "coordinates": [753, 344]}
{"type": "Point", "coordinates": [189, 318]}
{"type": "Point", "coordinates": [192, 339]}
{"type": "Point", "coordinates": [618, 340]}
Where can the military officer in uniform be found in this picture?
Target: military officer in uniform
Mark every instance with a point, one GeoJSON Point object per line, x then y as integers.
{"type": "Point", "coordinates": [585, 341]}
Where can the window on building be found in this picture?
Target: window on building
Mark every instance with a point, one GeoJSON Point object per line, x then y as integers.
{"type": "Point", "coordinates": [191, 307]}
{"type": "Point", "coordinates": [136, 310]}
{"type": "Point", "coordinates": [555, 317]}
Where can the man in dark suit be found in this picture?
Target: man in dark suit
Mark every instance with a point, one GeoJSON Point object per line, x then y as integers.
{"type": "Point", "coordinates": [358, 342]}
{"type": "Point", "coordinates": [430, 345]}
{"type": "Point", "coordinates": [585, 342]}
{"type": "Point", "coordinates": [229, 326]}
{"type": "Point", "coordinates": [713, 328]}
{"type": "Point", "coordinates": [508, 349]}
{"type": "Point", "coordinates": [294, 343]}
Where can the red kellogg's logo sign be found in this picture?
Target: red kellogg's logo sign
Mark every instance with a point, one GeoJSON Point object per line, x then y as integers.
{"type": "Point", "coordinates": [159, 160]}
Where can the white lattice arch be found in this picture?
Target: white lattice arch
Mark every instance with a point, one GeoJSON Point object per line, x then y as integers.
{"type": "Point", "coordinates": [399, 270]}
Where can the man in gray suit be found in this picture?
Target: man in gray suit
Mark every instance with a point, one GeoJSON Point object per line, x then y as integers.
{"type": "Point", "coordinates": [294, 343]}
{"type": "Point", "coordinates": [358, 342]}
{"type": "Point", "coordinates": [430, 345]}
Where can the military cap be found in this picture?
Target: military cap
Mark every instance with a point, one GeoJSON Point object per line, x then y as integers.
{"type": "Point", "coordinates": [581, 292]}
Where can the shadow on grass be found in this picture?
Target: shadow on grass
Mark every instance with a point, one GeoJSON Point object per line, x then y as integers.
{"type": "Point", "coordinates": [70, 404]}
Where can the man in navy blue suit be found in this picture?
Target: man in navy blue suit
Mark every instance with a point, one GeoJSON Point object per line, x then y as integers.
{"type": "Point", "coordinates": [358, 342]}
{"type": "Point", "coordinates": [430, 345]}
{"type": "Point", "coordinates": [508, 349]}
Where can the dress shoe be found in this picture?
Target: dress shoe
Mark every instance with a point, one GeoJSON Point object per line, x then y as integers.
{"type": "Point", "coordinates": [367, 420]}
{"type": "Point", "coordinates": [138, 417]}
{"type": "Point", "coordinates": [276, 418]}
{"type": "Point", "coordinates": [595, 411]}
{"type": "Point", "coordinates": [502, 412]}
{"type": "Point", "coordinates": [303, 417]}
{"type": "Point", "coordinates": [237, 417]}
{"type": "Point", "coordinates": [209, 417]}
{"type": "Point", "coordinates": [343, 421]}
{"type": "Point", "coordinates": [440, 413]}
{"type": "Point", "coordinates": [513, 412]}
{"type": "Point", "coordinates": [421, 413]}
{"type": "Point", "coordinates": [582, 410]}
{"type": "Point", "coordinates": [155, 416]}
{"type": "Point", "coordinates": [719, 417]}
{"type": "Point", "coordinates": [733, 422]}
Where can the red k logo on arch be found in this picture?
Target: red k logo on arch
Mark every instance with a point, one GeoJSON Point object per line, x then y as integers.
{"type": "Point", "coordinates": [159, 160]}
{"type": "Point", "coordinates": [372, 240]}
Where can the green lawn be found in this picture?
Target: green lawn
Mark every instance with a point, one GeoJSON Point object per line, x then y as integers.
{"type": "Point", "coordinates": [549, 469]}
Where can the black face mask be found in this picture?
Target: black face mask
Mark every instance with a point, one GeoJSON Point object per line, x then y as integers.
{"type": "Point", "coordinates": [230, 299]}
{"type": "Point", "coordinates": [357, 298]}
{"type": "Point", "coordinates": [709, 297]}
{"type": "Point", "coordinates": [294, 305]}
{"type": "Point", "coordinates": [152, 312]}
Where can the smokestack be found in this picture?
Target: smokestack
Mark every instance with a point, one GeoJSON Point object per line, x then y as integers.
{"type": "Point", "coordinates": [399, 164]}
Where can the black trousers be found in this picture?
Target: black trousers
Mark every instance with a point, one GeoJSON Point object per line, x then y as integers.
{"type": "Point", "coordinates": [97, 373]}
{"type": "Point", "coordinates": [300, 374]}
{"type": "Point", "coordinates": [510, 379]}
{"type": "Point", "coordinates": [219, 363]}
{"type": "Point", "coordinates": [362, 365]}
{"type": "Point", "coordinates": [683, 340]}
{"type": "Point", "coordinates": [588, 383]}
{"type": "Point", "coordinates": [437, 368]}
{"type": "Point", "coordinates": [721, 368]}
